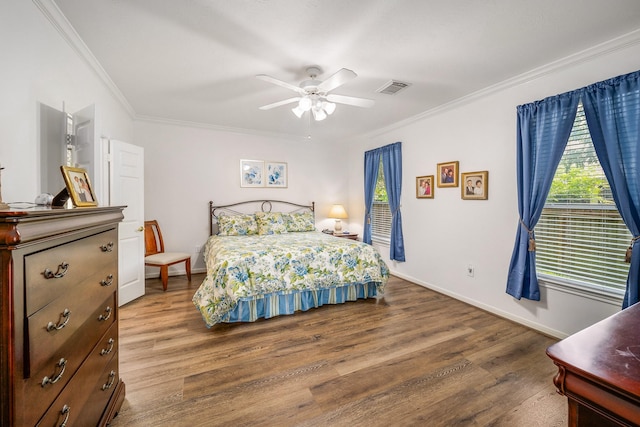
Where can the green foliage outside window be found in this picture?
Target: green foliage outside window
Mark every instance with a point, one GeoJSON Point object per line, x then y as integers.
{"type": "Point", "coordinates": [579, 177]}
{"type": "Point", "coordinates": [380, 194]}
{"type": "Point", "coordinates": [579, 185]}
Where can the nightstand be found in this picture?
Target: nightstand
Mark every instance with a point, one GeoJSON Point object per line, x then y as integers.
{"type": "Point", "coordinates": [352, 236]}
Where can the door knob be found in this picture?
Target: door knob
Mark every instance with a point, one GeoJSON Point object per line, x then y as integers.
{"type": "Point", "coordinates": [141, 228]}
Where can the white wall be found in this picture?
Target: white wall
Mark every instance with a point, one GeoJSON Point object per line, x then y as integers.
{"type": "Point", "coordinates": [38, 65]}
{"type": "Point", "coordinates": [445, 234]}
{"type": "Point", "coordinates": [186, 167]}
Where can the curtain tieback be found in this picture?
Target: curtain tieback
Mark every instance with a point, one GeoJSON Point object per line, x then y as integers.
{"type": "Point", "coordinates": [532, 239]}
{"type": "Point", "coordinates": [368, 218]}
{"type": "Point", "coordinates": [627, 256]}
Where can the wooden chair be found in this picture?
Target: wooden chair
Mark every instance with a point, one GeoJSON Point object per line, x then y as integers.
{"type": "Point", "coordinates": [155, 255]}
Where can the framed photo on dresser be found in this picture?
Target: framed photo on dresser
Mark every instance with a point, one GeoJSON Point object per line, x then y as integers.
{"type": "Point", "coordinates": [79, 186]}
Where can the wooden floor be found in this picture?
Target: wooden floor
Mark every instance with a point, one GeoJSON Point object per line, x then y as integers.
{"type": "Point", "coordinates": [412, 358]}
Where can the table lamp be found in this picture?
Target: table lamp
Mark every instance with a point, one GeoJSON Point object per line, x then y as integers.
{"type": "Point", "coordinates": [337, 212]}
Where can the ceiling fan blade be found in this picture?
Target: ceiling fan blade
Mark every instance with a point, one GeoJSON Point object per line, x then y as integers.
{"type": "Point", "coordinates": [337, 79]}
{"type": "Point", "coordinates": [279, 103]}
{"type": "Point", "coordinates": [350, 100]}
{"type": "Point", "coordinates": [280, 83]}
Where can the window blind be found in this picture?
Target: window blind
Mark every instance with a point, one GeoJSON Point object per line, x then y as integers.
{"type": "Point", "coordinates": [381, 220]}
{"type": "Point", "coordinates": [580, 236]}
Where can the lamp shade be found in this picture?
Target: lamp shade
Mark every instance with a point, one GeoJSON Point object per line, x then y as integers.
{"type": "Point", "coordinates": [338, 212]}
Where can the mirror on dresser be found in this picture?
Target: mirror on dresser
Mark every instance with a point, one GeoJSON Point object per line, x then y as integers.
{"type": "Point", "coordinates": [65, 139]}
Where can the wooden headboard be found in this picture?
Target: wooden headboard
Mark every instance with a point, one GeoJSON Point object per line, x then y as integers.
{"type": "Point", "coordinates": [252, 206]}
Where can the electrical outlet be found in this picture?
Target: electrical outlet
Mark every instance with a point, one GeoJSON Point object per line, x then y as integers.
{"type": "Point", "coordinates": [198, 249]}
{"type": "Point", "coordinates": [470, 270]}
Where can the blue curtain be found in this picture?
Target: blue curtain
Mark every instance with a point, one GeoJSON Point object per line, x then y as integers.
{"type": "Point", "coordinates": [612, 109]}
{"type": "Point", "coordinates": [391, 156]}
{"type": "Point", "coordinates": [543, 131]}
{"type": "Point", "coordinates": [392, 167]}
{"type": "Point", "coordinates": [371, 165]}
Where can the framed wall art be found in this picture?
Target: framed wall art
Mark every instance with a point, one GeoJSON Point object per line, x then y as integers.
{"type": "Point", "coordinates": [276, 174]}
{"type": "Point", "coordinates": [251, 173]}
{"type": "Point", "coordinates": [475, 185]}
{"type": "Point", "coordinates": [78, 186]}
{"type": "Point", "coordinates": [448, 174]}
{"type": "Point", "coordinates": [424, 187]}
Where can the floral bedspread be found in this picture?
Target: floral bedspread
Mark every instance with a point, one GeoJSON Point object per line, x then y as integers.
{"type": "Point", "coordinates": [245, 267]}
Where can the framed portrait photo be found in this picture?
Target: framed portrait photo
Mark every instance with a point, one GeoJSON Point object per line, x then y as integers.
{"type": "Point", "coordinates": [424, 187]}
{"type": "Point", "coordinates": [251, 173]}
{"type": "Point", "coordinates": [78, 186]}
{"type": "Point", "coordinates": [475, 185]}
{"type": "Point", "coordinates": [448, 174]}
{"type": "Point", "coordinates": [276, 174]}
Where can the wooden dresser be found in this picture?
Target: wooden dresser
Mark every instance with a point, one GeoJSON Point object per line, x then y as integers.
{"type": "Point", "coordinates": [59, 317]}
{"type": "Point", "coordinates": [599, 371]}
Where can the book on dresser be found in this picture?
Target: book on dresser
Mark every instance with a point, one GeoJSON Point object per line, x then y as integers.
{"type": "Point", "coordinates": [59, 317]}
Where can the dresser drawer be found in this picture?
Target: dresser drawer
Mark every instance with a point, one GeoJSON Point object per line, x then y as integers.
{"type": "Point", "coordinates": [71, 402]}
{"type": "Point", "coordinates": [60, 269]}
{"type": "Point", "coordinates": [100, 394]}
{"type": "Point", "coordinates": [72, 354]}
{"type": "Point", "coordinates": [94, 311]}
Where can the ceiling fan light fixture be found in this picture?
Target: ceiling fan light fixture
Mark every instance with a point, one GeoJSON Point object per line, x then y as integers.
{"type": "Point", "coordinates": [298, 111]}
{"type": "Point", "coordinates": [329, 107]}
{"type": "Point", "coordinates": [314, 96]}
{"type": "Point", "coordinates": [305, 103]}
{"type": "Point", "coordinates": [319, 114]}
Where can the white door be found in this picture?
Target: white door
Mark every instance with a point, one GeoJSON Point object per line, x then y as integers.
{"type": "Point", "coordinates": [127, 189]}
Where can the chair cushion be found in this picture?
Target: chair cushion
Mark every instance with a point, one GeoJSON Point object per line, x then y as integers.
{"type": "Point", "coordinates": [166, 257]}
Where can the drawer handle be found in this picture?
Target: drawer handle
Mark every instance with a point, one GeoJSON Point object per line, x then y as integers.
{"type": "Point", "coordinates": [112, 379]}
{"type": "Point", "coordinates": [108, 281]}
{"type": "Point", "coordinates": [107, 248]}
{"type": "Point", "coordinates": [66, 411]}
{"type": "Point", "coordinates": [61, 364]}
{"type": "Point", "coordinates": [105, 316]}
{"type": "Point", "coordinates": [62, 270]}
{"type": "Point", "coordinates": [64, 319]}
{"type": "Point", "coordinates": [105, 351]}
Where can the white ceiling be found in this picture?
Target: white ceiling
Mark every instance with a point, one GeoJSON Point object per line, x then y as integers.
{"type": "Point", "coordinates": [195, 61]}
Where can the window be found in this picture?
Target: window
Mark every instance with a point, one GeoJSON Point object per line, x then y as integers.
{"type": "Point", "coordinates": [380, 214]}
{"type": "Point", "coordinates": [581, 239]}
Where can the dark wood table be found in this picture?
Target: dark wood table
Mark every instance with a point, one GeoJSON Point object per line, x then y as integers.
{"type": "Point", "coordinates": [599, 371]}
{"type": "Point", "coordinates": [352, 236]}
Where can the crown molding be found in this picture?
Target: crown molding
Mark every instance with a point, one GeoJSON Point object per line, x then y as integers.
{"type": "Point", "coordinates": [589, 54]}
{"type": "Point", "coordinates": [243, 131]}
{"type": "Point", "coordinates": [52, 12]}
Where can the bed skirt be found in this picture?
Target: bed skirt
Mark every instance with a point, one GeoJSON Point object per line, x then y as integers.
{"type": "Point", "coordinates": [280, 303]}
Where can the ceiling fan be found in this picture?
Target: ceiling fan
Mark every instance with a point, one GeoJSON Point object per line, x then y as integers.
{"type": "Point", "coordinates": [314, 96]}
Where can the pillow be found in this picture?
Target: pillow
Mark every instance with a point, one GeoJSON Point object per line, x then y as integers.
{"type": "Point", "coordinates": [300, 221]}
{"type": "Point", "coordinates": [237, 225]}
{"type": "Point", "coordinates": [271, 223]}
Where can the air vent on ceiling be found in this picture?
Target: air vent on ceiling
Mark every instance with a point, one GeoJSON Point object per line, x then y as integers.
{"type": "Point", "coordinates": [392, 87]}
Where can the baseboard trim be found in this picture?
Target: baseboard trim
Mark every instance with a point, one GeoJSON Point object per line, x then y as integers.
{"type": "Point", "coordinates": [493, 310]}
{"type": "Point", "coordinates": [155, 275]}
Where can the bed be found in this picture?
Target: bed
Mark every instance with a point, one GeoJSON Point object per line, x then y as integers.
{"type": "Point", "coordinates": [273, 262]}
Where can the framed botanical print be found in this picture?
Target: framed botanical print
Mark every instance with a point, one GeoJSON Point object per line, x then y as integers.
{"type": "Point", "coordinates": [276, 174]}
{"type": "Point", "coordinates": [251, 173]}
